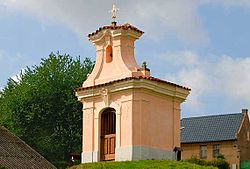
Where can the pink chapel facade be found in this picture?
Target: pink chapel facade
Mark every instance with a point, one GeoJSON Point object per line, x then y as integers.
{"type": "Point", "coordinates": [127, 114]}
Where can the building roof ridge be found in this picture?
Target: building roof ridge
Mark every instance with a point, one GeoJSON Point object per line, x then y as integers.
{"type": "Point", "coordinates": [16, 146]}
{"type": "Point", "coordinates": [211, 127]}
{"type": "Point", "coordinates": [212, 115]}
{"type": "Point", "coordinates": [125, 26]}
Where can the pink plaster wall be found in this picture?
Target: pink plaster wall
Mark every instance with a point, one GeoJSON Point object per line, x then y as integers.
{"type": "Point", "coordinates": [147, 119]}
{"type": "Point", "coordinates": [123, 64]}
{"type": "Point", "coordinates": [126, 124]}
{"type": "Point", "coordinates": [121, 98]}
{"type": "Point", "coordinates": [88, 130]}
{"type": "Point", "coordinates": [155, 123]}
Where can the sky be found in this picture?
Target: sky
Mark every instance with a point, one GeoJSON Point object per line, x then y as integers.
{"type": "Point", "coordinates": [201, 44]}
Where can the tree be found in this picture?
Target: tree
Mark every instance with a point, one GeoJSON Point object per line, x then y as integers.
{"type": "Point", "coordinates": [41, 107]}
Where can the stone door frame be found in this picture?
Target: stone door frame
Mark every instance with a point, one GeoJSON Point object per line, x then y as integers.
{"type": "Point", "coordinates": [97, 127]}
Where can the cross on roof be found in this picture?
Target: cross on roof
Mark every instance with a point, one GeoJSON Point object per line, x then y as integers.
{"type": "Point", "coordinates": [114, 12]}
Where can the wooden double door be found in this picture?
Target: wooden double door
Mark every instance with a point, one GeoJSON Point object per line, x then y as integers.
{"type": "Point", "coordinates": [108, 130]}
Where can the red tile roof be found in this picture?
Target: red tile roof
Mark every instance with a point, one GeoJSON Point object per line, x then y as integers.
{"type": "Point", "coordinates": [114, 27]}
{"type": "Point", "coordinates": [130, 78]}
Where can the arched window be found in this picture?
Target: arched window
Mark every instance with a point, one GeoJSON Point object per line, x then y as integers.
{"type": "Point", "coordinates": [109, 54]}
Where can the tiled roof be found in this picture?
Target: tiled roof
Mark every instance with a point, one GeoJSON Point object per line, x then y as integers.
{"type": "Point", "coordinates": [114, 27]}
{"type": "Point", "coordinates": [14, 153]}
{"type": "Point", "coordinates": [131, 78]}
{"type": "Point", "coordinates": [210, 128]}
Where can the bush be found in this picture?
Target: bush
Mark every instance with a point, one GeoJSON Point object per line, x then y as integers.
{"type": "Point", "coordinates": [76, 162]}
{"type": "Point", "coordinates": [221, 156]}
{"type": "Point", "coordinates": [61, 164]}
{"type": "Point", "coordinates": [219, 162]}
{"type": "Point", "coordinates": [64, 164]}
{"type": "Point", "coordinates": [195, 160]}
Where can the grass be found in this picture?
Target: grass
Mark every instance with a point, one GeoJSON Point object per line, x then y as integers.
{"type": "Point", "coordinates": [145, 164]}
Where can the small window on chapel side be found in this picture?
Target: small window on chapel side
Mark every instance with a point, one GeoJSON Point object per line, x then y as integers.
{"type": "Point", "coordinates": [109, 54]}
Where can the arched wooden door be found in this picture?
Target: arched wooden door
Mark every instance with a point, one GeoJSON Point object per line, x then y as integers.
{"type": "Point", "coordinates": [108, 135]}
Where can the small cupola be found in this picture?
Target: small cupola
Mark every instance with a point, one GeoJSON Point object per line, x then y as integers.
{"type": "Point", "coordinates": [115, 53]}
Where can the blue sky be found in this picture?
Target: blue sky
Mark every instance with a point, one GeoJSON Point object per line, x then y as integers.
{"type": "Point", "coordinates": [200, 44]}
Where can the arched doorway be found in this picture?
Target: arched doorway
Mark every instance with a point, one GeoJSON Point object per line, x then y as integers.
{"type": "Point", "coordinates": [108, 131]}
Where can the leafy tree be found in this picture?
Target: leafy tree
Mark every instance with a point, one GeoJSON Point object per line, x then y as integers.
{"type": "Point", "coordinates": [41, 107]}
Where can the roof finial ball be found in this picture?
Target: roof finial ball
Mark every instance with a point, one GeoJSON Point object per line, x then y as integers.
{"type": "Point", "coordinates": [114, 13]}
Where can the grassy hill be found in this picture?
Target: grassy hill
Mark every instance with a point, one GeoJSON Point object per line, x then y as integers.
{"type": "Point", "coordinates": [146, 164]}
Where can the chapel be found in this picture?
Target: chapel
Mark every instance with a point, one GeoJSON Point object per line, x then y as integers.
{"type": "Point", "coordinates": [127, 113]}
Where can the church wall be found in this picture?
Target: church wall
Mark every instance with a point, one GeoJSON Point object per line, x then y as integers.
{"type": "Point", "coordinates": [153, 114]}
{"type": "Point", "coordinates": [122, 65]}
{"type": "Point", "coordinates": [122, 103]}
{"type": "Point", "coordinates": [88, 130]}
{"type": "Point", "coordinates": [141, 114]}
{"type": "Point", "coordinates": [88, 123]}
{"type": "Point", "coordinates": [124, 100]}
{"type": "Point", "coordinates": [126, 123]}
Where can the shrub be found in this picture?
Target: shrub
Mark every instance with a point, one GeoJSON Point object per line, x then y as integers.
{"type": "Point", "coordinates": [219, 162]}
{"type": "Point", "coordinates": [61, 164]}
{"type": "Point", "coordinates": [221, 156]}
{"type": "Point", "coordinates": [76, 162]}
{"type": "Point", "coordinates": [195, 160]}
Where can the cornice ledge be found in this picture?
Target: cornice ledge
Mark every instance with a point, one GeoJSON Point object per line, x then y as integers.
{"type": "Point", "coordinates": [165, 89]}
{"type": "Point", "coordinates": [127, 33]}
{"type": "Point", "coordinates": [114, 33]}
{"type": "Point", "coordinates": [98, 37]}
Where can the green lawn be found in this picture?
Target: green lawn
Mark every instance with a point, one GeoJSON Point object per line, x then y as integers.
{"type": "Point", "coordinates": [146, 164]}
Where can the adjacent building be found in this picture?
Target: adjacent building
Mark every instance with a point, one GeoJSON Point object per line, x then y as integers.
{"type": "Point", "coordinates": [15, 153]}
{"type": "Point", "coordinates": [208, 136]}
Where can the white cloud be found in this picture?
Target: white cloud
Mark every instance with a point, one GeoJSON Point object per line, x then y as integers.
{"type": "Point", "coordinates": [234, 77]}
{"type": "Point", "coordinates": [17, 77]}
{"type": "Point", "coordinates": [177, 16]}
{"type": "Point", "coordinates": [82, 16]}
{"type": "Point", "coordinates": [183, 58]}
{"type": "Point", "coordinates": [227, 76]}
